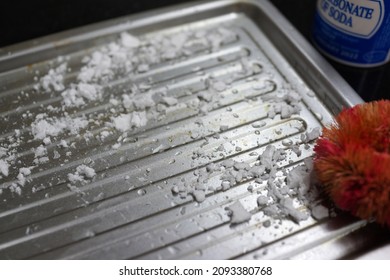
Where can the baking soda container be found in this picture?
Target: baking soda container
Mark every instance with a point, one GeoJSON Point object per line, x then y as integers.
{"type": "Point", "coordinates": [354, 32]}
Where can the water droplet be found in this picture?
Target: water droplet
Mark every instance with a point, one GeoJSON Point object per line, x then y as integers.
{"type": "Point", "coordinates": [173, 250]}
{"type": "Point", "coordinates": [172, 161]}
{"type": "Point", "coordinates": [310, 94]}
{"type": "Point", "coordinates": [141, 192]}
{"type": "Point", "coordinates": [319, 116]}
{"type": "Point", "coordinates": [287, 142]}
{"type": "Point", "coordinates": [257, 132]}
{"type": "Point", "coordinates": [100, 196]}
{"type": "Point", "coordinates": [196, 68]}
{"type": "Point", "coordinates": [89, 234]}
{"type": "Point", "coordinates": [187, 92]}
{"type": "Point", "coordinates": [256, 68]}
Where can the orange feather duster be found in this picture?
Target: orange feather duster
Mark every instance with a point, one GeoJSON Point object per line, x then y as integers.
{"type": "Point", "coordinates": [352, 160]}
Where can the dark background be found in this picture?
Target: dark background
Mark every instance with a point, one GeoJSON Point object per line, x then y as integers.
{"type": "Point", "coordinates": [24, 20]}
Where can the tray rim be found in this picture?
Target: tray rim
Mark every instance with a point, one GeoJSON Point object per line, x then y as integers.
{"type": "Point", "coordinates": [315, 60]}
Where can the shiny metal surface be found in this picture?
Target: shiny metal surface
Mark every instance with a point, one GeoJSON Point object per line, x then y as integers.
{"type": "Point", "coordinates": [129, 209]}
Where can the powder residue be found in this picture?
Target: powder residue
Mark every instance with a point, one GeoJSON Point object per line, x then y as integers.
{"type": "Point", "coordinates": [45, 126]}
{"type": "Point", "coordinates": [80, 94]}
{"type": "Point", "coordinates": [54, 79]}
{"type": "Point", "coordinates": [21, 177]}
{"type": "Point", "coordinates": [125, 122]}
{"type": "Point", "coordinates": [238, 213]}
{"type": "Point", "coordinates": [82, 174]}
{"type": "Point", "coordinates": [4, 168]}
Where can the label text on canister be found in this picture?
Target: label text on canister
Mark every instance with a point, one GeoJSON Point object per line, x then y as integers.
{"type": "Point", "coordinates": [360, 18]}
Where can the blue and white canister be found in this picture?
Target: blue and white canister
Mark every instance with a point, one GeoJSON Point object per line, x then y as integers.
{"type": "Point", "coordinates": [353, 32]}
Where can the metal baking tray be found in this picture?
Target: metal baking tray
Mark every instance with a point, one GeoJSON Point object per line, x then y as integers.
{"type": "Point", "coordinates": [210, 76]}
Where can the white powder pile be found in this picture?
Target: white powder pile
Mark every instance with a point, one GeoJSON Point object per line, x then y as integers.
{"type": "Point", "coordinates": [40, 155]}
{"type": "Point", "coordinates": [54, 80]}
{"type": "Point", "coordinates": [97, 68]}
{"type": "Point", "coordinates": [45, 126]}
{"type": "Point", "coordinates": [311, 135]}
{"type": "Point", "coordinates": [129, 41]}
{"type": "Point", "coordinates": [220, 37]}
{"type": "Point", "coordinates": [23, 172]}
{"type": "Point", "coordinates": [288, 192]}
{"type": "Point", "coordinates": [40, 151]}
{"type": "Point", "coordinates": [262, 200]}
{"type": "Point", "coordinates": [285, 105]}
{"type": "Point", "coordinates": [4, 168]}
{"type": "Point", "coordinates": [82, 174]}
{"type": "Point", "coordinates": [14, 188]}
{"type": "Point", "coordinates": [81, 94]}
{"type": "Point", "coordinates": [142, 103]}
{"type": "Point", "coordinates": [3, 152]}
{"type": "Point", "coordinates": [238, 213]}
{"type": "Point", "coordinates": [199, 195]}
{"type": "Point", "coordinates": [319, 212]}
{"type": "Point", "coordinates": [41, 127]}
{"type": "Point", "coordinates": [86, 171]}
{"type": "Point", "coordinates": [289, 209]}
{"type": "Point", "coordinates": [122, 57]}
{"type": "Point", "coordinates": [125, 122]}
{"type": "Point", "coordinates": [122, 122]}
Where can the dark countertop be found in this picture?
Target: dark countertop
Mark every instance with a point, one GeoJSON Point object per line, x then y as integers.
{"type": "Point", "coordinates": [33, 19]}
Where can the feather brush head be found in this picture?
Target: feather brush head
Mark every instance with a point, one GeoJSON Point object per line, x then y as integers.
{"type": "Point", "coordinates": [352, 160]}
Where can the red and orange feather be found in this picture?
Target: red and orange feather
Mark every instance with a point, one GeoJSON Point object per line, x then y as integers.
{"type": "Point", "coordinates": [352, 160]}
